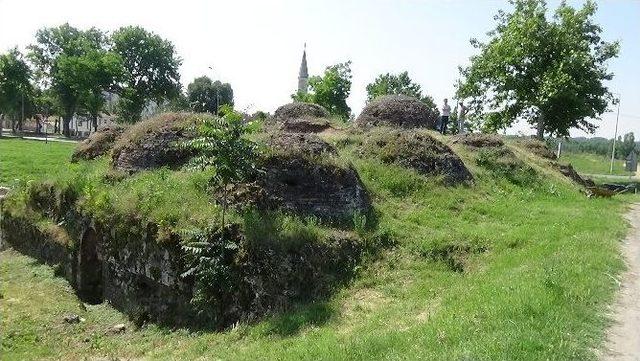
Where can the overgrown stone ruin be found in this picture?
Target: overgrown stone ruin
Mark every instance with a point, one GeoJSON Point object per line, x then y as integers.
{"type": "Point", "coordinates": [399, 111]}
{"type": "Point", "coordinates": [416, 150]}
{"type": "Point", "coordinates": [301, 117]}
{"type": "Point", "coordinates": [98, 143]}
{"type": "Point", "coordinates": [301, 174]}
{"type": "Point", "coordinates": [153, 143]}
{"type": "Point", "coordinates": [119, 258]}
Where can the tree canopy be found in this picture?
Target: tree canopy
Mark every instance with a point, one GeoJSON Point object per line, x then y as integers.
{"type": "Point", "coordinates": [330, 90]}
{"type": "Point", "coordinates": [400, 84]}
{"type": "Point", "coordinates": [151, 70]}
{"type": "Point", "coordinates": [73, 64]}
{"type": "Point", "coordinates": [207, 96]}
{"type": "Point", "coordinates": [550, 72]}
{"type": "Point", "coordinates": [15, 83]}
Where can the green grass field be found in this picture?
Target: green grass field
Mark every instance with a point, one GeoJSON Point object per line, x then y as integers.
{"type": "Point", "coordinates": [538, 271]}
{"type": "Point", "coordinates": [587, 163]}
{"type": "Point", "coordinates": [32, 159]}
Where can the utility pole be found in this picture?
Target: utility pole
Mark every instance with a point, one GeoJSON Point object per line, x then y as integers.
{"type": "Point", "coordinates": [615, 136]}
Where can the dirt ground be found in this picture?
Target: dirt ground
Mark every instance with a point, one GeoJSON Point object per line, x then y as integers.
{"type": "Point", "coordinates": [623, 338]}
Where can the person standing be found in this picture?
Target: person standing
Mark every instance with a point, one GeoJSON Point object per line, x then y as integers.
{"type": "Point", "coordinates": [462, 112]}
{"type": "Point", "coordinates": [446, 112]}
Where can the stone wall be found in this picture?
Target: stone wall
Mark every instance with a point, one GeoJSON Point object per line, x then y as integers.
{"type": "Point", "coordinates": [140, 279]}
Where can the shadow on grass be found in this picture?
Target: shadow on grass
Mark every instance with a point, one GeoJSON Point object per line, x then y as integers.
{"type": "Point", "coordinates": [294, 321]}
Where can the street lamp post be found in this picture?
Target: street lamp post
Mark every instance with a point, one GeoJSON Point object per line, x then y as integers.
{"type": "Point", "coordinates": [615, 137]}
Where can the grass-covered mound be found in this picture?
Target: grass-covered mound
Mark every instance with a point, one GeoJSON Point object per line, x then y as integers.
{"type": "Point", "coordinates": [301, 117]}
{"type": "Point", "coordinates": [478, 140]}
{"type": "Point", "coordinates": [98, 143]}
{"type": "Point", "coordinates": [151, 143]}
{"type": "Point", "coordinates": [269, 256]}
{"type": "Point", "coordinates": [416, 150]}
{"type": "Point", "coordinates": [399, 111]}
{"type": "Point", "coordinates": [527, 269]}
{"type": "Point", "coordinates": [302, 174]}
{"type": "Point", "coordinates": [492, 153]}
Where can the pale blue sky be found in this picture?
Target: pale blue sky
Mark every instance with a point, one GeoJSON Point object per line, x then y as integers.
{"type": "Point", "coordinates": [257, 45]}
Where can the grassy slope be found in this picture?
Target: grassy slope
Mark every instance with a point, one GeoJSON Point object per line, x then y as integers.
{"type": "Point", "coordinates": [587, 163]}
{"type": "Point", "coordinates": [31, 159]}
{"type": "Point", "coordinates": [538, 292]}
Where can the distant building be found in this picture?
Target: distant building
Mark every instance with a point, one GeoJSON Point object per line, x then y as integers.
{"type": "Point", "coordinates": [303, 75]}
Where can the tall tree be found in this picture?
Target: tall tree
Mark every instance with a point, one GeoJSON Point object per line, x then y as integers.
{"type": "Point", "coordinates": [64, 57]}
{"type": "Point", "coordinates": [626, 145]}
{"type": "Point", "coordinates": [16, 89]}
{"type": "Point", "coordinates": [102, 70]}
{"type": "Point", "coordinates": [330, 90]}
{"type": "Point", "coordinates": [207, 96]}
{"type": "Point", "coordinates": [151, 70]}
{"type": "Point", "coordinates": [547, 71]}
{"type": "Point", "coordinates": [400, 84]}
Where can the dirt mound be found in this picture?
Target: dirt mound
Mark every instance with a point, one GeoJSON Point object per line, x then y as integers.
{"type": "Point", "coordinates": [99, 143]}
{"type": "Point", "coordinates": [301, 118]}
{"type": "Point", "coordinates": [418, 151]}
{"type": "Point", "coordinates": [478, 140]}
{"type": "Point", "coordinates": [301, 175]}
{"type": "Point", "coordinates": [151, 143]}
{"type": "Point", "coordinates": [302, 185]}
{"type": "Point", "coordinates": [568, 171]}
{"type": "Point", "coordinates": [537, 147]}
{"type": "Point", "coordinates": [299, 110]}
{"type": "Point", "coordinates": [397, 110]}
{"type": "Point", "coordinates": [301, 143]}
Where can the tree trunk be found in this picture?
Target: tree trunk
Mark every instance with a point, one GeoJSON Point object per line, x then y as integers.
{"type": "Point", "coordinates": [540, 128]}
{"type": "Point", "coordinates": [66, 131]}
{"type": "Point", "coordinates": [1, 124]}
{"type": "Point", "coordinates": [95, 122]}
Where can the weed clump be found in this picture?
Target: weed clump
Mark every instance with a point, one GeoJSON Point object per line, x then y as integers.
{"type": "Point", "coordinates": [98, 143]}
{"type": "Point", "coordinates": [416, 150]}
{"type": "Point", "coordinates": [399, 111]}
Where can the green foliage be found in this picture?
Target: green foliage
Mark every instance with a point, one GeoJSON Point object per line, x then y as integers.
{"type": "Point", "coordinates": [625, 145]}
{"type": "Point", "coordinates": [550, 72]}
{"type": "Point", "coordinates": [209, 256]}
{"type": "Point", "coordinates": [151, 70]}
{"type": "Point", "coordinates": [75, 66]}
{"type": "Point", "coordinates": [222, 146]}
{"type": "Point", "coordinates": [400, 84]}
{"type": "Point", "coordinates": [15, 84]}
{"type": "Point", "coordinates": [206, 96]}
{"type": "Point", "coordinates": [330, 90]}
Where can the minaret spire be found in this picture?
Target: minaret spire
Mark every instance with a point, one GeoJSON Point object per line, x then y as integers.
{"type": "Point", "coordinates": [303, 75]}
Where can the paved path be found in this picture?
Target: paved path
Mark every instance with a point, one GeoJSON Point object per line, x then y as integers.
{"type": "Point", "coordinates": [623, 338]}
{"type": "Point", "coordinates": [49, 139]}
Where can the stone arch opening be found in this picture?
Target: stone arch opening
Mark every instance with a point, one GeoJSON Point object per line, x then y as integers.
{"type": "Point", "coordinates": [90, 268]}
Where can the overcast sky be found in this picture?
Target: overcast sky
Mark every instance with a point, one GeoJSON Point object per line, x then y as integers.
{"type": "Point", "coordinates": [257, 45]}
